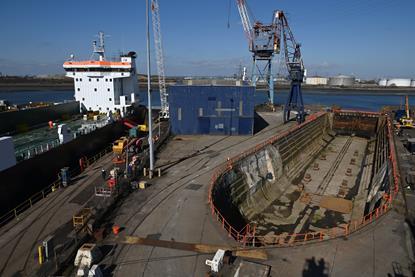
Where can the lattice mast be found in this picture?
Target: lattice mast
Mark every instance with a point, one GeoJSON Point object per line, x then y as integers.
{"type": "Point", "coordinates": [164, 112]}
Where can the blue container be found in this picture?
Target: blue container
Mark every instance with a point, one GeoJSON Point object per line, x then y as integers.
{"type": "Point", "coordinates": [215, 110]}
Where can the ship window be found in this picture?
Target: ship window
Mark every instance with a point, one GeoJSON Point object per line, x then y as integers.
{"type": "Point", "coordinates": [76, 79]}
{"type": "Point", "coordinates": [106, 80]}
{"type": "Point", "coordinates": [95, 89]}
{"type": "Point", "coordinates": [80, 79]}
{"type": "Point", "coordinates": [122, 73]}
{"type": "Point", "coordinates": [83, 99]}
{"type": "Point", "coordinates": [108, 89]}
{"type": "Point", "coordinates": [200, 111]}
{"type": "Point", "coordinates": [97, 80]}
{"type": "Point", "coordinates": [110, 99]}
{"type": "Point", "coordinates": [108, 109]}
{"type": "Point", "coordinates": [179, 114]}
{"type": "Point", "coordinates": [90, 79]}
{"type": "Point", "coordinates": [110, 80]}
{"type": "Point", "coordinates": [79, 89]}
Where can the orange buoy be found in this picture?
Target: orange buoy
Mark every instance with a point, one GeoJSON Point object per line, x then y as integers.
{"type": "Point", "coordinates": [115, 229]}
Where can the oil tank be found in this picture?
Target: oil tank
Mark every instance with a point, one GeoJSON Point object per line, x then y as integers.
{"type": "Point", "coordinates": [342, 80]}
{"type": "Point", "coordinates": [399, 82]}
{"type": "Point", "coordinates": [214, 110]}
{"type": "Point", "coordinates": [383, 82]}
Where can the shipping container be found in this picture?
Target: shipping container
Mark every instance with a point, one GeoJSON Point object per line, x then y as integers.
{"type": "Point", "coordinates": [215, 110]}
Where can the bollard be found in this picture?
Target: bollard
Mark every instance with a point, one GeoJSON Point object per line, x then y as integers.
{"type": "Point", "coordinates": [41, 254]}
{"type": "Point", "coordinates": [307, 178]}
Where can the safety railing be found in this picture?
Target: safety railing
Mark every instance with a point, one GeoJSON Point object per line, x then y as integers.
{"type": "Point", "coordinates": [247, 235]}
{"type": "Point", "coordinates": [15, 213]}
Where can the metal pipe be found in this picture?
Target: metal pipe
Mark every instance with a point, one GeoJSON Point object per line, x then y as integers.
{"type": "Point", "coordinates": [150, 125]}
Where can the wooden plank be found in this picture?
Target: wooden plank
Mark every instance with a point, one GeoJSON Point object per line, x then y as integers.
{"type": "Point", "coordinates": [252, 253]}
{"type": "Point", "coordinates": [336, 204]}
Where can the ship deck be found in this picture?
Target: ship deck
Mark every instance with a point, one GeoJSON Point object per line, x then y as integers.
{"type": "Point", "coordinates": [175, 208]}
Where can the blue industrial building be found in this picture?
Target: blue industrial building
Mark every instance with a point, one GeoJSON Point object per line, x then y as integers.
{"type": "Point", "coordinates": [215, 110]}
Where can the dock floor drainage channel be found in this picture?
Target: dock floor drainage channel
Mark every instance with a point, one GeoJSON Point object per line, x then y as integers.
{"type": "Point", "coordinates": [194, 186]}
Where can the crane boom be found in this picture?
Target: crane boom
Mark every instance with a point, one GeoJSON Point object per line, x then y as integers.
{"type": "Point", "coordinates": [164, 113]}
{"type": "Point", "coordinates": [246, 21]}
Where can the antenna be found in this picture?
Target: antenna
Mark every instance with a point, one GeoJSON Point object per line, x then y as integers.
{"type": "Point", "coordinates": [99, 49]}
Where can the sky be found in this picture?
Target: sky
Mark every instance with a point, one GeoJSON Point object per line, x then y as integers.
{"type": "Point", "coordinates": [366, 38]}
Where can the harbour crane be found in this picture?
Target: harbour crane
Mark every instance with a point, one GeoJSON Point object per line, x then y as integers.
{"type": "Point", "coordinates": [155, 12]}
{"type": "Point", "coordinates": [265, 42]}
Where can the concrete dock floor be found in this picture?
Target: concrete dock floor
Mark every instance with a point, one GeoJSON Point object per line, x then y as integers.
{"type": "Point", "coordinates": [175, 207]}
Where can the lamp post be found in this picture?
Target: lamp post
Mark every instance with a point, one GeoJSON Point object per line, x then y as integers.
{"type": "Point", "coordinates": [150, 119]}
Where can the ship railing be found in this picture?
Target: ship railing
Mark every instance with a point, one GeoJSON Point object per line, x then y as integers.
{"type": "Point", "coordinates": [18, 213]}
{"type": "Point", "coordinates": [30, 152]}
{"type": "Point", "coordinates": [247, 235]}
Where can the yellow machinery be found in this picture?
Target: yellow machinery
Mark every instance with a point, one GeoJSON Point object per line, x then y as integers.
{"type": "Point", "coordinates": [142, 128]}
{"type": "Point", "coordinates": [119, 145]}
{"type": "Point", "coordinates": [406, 121]}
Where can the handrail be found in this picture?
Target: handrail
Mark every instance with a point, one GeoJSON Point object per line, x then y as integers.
{"type": "Point", "coordinates": [245, 235]}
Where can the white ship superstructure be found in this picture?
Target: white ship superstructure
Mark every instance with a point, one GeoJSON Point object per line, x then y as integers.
{"type": "Point", "coordinates": [102, 85]}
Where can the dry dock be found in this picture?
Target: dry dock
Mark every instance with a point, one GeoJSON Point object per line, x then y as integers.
{"type": "Point", "coordinates": [175, 207]}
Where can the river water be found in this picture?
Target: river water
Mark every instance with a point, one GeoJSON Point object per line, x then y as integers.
{"type": "Point", "coordinates": [369, 101]}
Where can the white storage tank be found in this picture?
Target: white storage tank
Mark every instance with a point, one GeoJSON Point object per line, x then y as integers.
{"type": "Point", "coordinates": [399, 82]}
{"type": "Point", "coordinates": [342, 80]}
{"type": "Point", "coordinates": [316, 80]}
{"type": "Point", "coordinates": [383, 82]}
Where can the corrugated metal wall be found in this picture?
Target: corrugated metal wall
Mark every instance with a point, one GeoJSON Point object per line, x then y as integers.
{"type": "Point", "coordinates": [217, 110]}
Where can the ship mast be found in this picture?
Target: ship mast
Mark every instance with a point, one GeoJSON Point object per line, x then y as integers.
{"type": "Point", "coordinates": [100, 49]}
